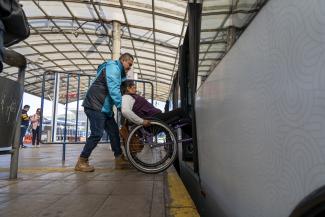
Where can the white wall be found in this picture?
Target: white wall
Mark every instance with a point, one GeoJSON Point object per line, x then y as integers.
{"type": "Point", "coordinates": [261, 113]}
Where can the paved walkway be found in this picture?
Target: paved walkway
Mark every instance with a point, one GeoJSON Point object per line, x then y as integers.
{"type": "Point", "coordinates": [46, 187]}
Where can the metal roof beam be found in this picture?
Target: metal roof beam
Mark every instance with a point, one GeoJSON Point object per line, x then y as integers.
{"type": "Point", "coordinates": [98, 21]}
{"type": "Point", "coordinates": [175, 15]}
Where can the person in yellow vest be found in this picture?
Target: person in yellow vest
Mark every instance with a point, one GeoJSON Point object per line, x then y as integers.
{"type": "Point", "coordinates": [24, 124]}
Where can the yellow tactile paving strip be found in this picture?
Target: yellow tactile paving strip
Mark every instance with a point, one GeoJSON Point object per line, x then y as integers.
{"type": "Point", "coordinates": [53, 170]}
{"type": "Point", "coordinates": [181, 204]}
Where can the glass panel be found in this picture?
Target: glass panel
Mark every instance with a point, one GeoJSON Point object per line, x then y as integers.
{"type": "Point", "coordinates": [175, 8]}
{"type": "Point", "coordinates": [30, 9]}
{"type": "Point", "coordinates": [147, 67]}
{"type": "Point", "coordinates": [143, 4]}
{"type": "Point", "coordinates": [82, 10]}
{"type": "Point", "coordinates": [65, 47]}
{"type": "Point", "coordinates": [110, 13]}
{"type": "Point", "coordinates": [54, 56]}
{"type": "Point", "coordinates": [45, 48]}
{"type": "Point", "coordinates": [62, 62]}
{"type": "Point", "coordinates": [80, 61]}
{"type": "Point", "coordinates": [147, 73]}
{"type": "Point", "coordinates": [70, 68]}
{"type": "Point", "coordinates": [247, 4]}
{"type": "Point", "coordinates": [73, 55]}
{"type": "Point", "coordinates": [167, 39]}
{"type": "Point", "coordinates": [167, 73]}
{"type": "Point", "coordinates": [33, 39]}
{"type": "Point", "coordinates": [139, 19]}
{"type": "Point", "coordinates": [166, 77]}
{"type": "Point", "coordinates": [54, 37]}
{"type": "Point", "coordinates": [168, 25]}
{"type": "Point", "coordinates": [41, 23]}
{"type": "Point", "coordinates": [25, 50]}
{"type": "Point", "coordinates": [165, 58]}
{"type": "Point", "coordinates": [145, 54]}
{"type": "Point", "coordinates": [143, 45]}
{"type": "Point", "coordinates": [166, 66]}
{"type": "Point", "coordinates": [142, 34]}
{"type": "Point", "coordinates": [166, 50]}
{"type": "Point", "coordinates": [213, 21]}
{"type": "Point", "coordinates": [54, 8]}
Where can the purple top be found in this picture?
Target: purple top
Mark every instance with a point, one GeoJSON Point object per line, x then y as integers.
{"type": "Point", "coordinates": [143, 108]}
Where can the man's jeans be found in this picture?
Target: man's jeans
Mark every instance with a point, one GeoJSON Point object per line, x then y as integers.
{"type": "Point", "coordinates": [99, 122]}
{"type": "Point", "coordinates": [23, 130]}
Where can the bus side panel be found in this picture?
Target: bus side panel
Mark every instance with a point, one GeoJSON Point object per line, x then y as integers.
{"type": "Point", "coordinates": [261, 114]}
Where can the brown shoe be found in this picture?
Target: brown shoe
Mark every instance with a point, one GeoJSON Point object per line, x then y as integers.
{"type": "Point", "coordinates": [121, 162]}
{"type": "Point", "coordinates": [83, 165]}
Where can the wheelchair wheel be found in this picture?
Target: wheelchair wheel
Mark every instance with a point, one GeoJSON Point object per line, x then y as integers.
{"type": "Point", "coordinates": [151, 149]}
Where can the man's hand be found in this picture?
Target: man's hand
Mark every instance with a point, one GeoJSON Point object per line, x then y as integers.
{"type": "Point", "coordinates": [146, 123]}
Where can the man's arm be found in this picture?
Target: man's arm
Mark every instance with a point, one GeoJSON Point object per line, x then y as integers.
{"type": "Point", "coordinates": [127, 105]}
{"type": "Point", "coordinates": [113, 79]}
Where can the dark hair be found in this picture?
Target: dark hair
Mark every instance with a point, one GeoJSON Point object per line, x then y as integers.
{"type": "Point", "coordinates": [125, 84]}
{"type": "Point", "coordinates": [26, 106]}
{"type": "Point", "coordinates": [126, 56]}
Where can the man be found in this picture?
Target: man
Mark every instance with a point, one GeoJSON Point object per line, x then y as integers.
{"type": "Point", "coordinates": [24, 123]}
{"type": "Point", "coordinates": [136, 108]}
{"type": "Point", "coordinates": [98, 104]}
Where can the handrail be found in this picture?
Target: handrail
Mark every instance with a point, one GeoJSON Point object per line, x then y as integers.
{"type": "Point", "coordinates": [12, 58]}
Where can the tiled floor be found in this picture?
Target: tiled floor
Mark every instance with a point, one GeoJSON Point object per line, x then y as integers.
{"type": "Point", "coordinates": [46, 187]}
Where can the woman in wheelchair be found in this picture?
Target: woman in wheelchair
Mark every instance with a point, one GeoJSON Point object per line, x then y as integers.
{"type": "Point", "coordinates": [138, 110]}
{"type": "Point", "coordinates": [151, 145]}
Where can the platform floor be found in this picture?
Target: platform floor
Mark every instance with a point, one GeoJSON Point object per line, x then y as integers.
{"type": "Point", "coordinates": [46, 187]}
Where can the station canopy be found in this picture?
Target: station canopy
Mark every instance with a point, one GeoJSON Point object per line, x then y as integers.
{"type": "Point", "coordinates": [76, 36]}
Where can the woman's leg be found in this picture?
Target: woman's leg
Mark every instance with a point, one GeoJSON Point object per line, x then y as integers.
{"type": "Point", "coordinates": [33, 137]}
{"type": "Point", "coordinates": [171, 116]}
{"type": "Point", "coordinates": [37, 136]}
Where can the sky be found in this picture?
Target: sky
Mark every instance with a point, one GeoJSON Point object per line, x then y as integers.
{"type": "Point", "coordinates": [35, 102]}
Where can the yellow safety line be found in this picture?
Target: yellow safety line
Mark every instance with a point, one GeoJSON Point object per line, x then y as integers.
{"type": "Point", "coordinates": [181, 204]}
{"type": "Point", "coordinates": [52, 170]}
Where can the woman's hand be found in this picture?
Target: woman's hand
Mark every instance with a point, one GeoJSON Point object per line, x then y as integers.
{"type": "Point", "coordinates": [146, 123]}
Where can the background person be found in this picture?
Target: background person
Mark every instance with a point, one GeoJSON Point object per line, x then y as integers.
{"type": "Point", "coordinates": [166, 108]}
{"type": "Point", "coordinates": [98, 104]}
{"type": "Point", "coordinates": [24, 118]}
{"type": "Point", "coordinates": [35, 122]}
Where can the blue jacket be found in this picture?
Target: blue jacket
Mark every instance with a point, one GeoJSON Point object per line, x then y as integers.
{"type": "Point", "coordinates": [105, 90]}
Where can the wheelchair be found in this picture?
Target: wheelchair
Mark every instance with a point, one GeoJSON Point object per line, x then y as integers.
{"type": "Point", "coordinates": [152, 149]}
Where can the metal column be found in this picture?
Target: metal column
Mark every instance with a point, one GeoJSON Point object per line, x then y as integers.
{"type": "Point", "coordinates": [55, 104]}
{"type": "Point", "coordinates": [116, 40]}
{"type": "Point", "coordinates": [116, 51]}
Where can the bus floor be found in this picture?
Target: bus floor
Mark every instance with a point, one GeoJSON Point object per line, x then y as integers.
{"type": "Point", "coordinates": [46, 187]}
